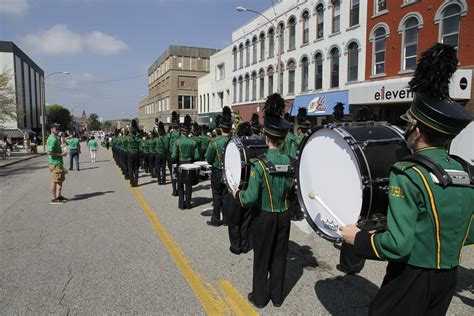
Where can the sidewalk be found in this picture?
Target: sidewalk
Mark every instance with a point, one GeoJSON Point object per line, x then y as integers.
{"type": "Point", "coordinates": [18, 156]}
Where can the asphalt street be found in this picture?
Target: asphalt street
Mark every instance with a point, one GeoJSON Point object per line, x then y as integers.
{"type": "Point", "coordinates": [117, 250]}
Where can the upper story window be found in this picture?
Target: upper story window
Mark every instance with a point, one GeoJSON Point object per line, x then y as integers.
{"type": "Point", "coordinates": [281, 37]}
{"type": "Point", "coordinates": [336, 16]}
{"type": "Point", "coordinates": [291, 33]}
{"type": "Point", "coordinates": [410, 43]}
{"type": "Point", "coordinates": [334, 67]}
{"type": "Point", "coordinates": [450, 25]}
{"type": "Point", "coordinates": [305, 27]}
{"type": "Point", "coordinates": [378, 50]}
{"type": "Point", "coordinates": [241, 56]}
{"type": "Point", "coordinates": [318, 71]}
{"type": "Point", "coordinates": [234, 85]}
{"type": "Point", "coordinates": [354, 15]}
{"type": "Point", "coordinates": [271, 43]}
{"type": "Point", "coordinates": [352, 61]}
{"type": "Point", "coordinates": [291, 77]}
{"type": "Point", "coordinates": [247, 53]}
{"type": "Point", "coordinates": [254, 50]}
{"type": "Point", "coordinates": [319, 21]}
{"type": "Point", "coordinates": [220, 72]}
{"type": "Point", "coordinates": [254, 86]}
{"type": "Point", "coordinates": [304, 74]}
{"type": "Point", "coordinates": [270, 80]}
{"type": "Point", "coordinates": [261, 75]}
{"type": "Point", "coordinates": [234, 53]}
{"type": "Point", "coordinates": [380, 6]}
{"type": "Point", "coordinates": [262, 46]}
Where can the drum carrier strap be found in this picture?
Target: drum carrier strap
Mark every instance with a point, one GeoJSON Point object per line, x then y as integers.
{"type": "Point", "coordinates": [446, 177]}
{"type": "Point", "coordinates": [276, 169]}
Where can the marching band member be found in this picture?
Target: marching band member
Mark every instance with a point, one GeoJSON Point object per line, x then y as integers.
{"type": "Point", "coordinates": [204, 141]}
{"type": "Point", "coordinates": [430, 208]}
{"type": "Point", "coordinates": [133, 144]}
{"type": "Point", "coordinates": [214, 158]}
{"type": "Point", "coordinates": [184, 150]}
{"type": "Point", "coordinates": [162, 149]}
{"type": "Point", "coordinates": [267, 190]}
{"type": "Point", "coordinates": [173, 136]}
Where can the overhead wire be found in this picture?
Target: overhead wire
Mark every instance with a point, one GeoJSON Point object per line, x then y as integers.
{"type": "Point", "coordinates": [129, 98]}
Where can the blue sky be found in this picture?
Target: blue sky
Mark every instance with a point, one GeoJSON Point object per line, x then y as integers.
{"type": "Point", "coordinates": [104, 40]}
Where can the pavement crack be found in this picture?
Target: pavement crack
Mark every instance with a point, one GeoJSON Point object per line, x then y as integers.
{"type": "Point", "coordinates": [64, 291]}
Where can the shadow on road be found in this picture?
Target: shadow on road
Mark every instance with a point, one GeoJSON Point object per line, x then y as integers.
{"type": "Point", "coordinates": [102, 161]}
{"type": "Point", "coordinates": [201, 187]}
{"type": "Point", "coordinates": [198, 201]}
{"type": "Point", "coordinates": [84, 196]}
{"type": "Point", "coordinates": [465, 283]}
{"type": "Point", "coordinates": [89, 168]}
{"type": "Point", "coordinates": [298, 259]}
{"type": "Point", "coordinates": [147, 183]}
{"type": "Point", "coordinates": [345, 295]}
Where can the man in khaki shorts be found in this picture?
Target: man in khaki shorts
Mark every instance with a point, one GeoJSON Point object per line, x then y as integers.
{"type": "Point", "coordinates": [55, 163]}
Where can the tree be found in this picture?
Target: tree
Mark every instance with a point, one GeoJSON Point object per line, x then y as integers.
{"type": "Point", "coordinates": [7, 98]}
{"type": "Point", "coordinates": [59, 114]}
{"type": "Point", "coordinates": [94, 123]}
{"type": "Point", "coordinates": [109, 125]}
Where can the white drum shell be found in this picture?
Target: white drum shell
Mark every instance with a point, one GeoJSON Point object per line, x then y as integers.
{"type": "Point", "coordinates": [189, 166]}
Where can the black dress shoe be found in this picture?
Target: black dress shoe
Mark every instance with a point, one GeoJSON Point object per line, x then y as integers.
{"type": "Point", "coordinates": [174, 194]}
{"type": "Point", "coordinates": [276, 304]}
{"type": "Point", "coordinates": [212, 223]}
{"type": "Point", "coordinates": [235, 251]}
{"type": "Point", "coordinates": [344, 270]}
{"type": "Point", "coordinates": [250, 298]}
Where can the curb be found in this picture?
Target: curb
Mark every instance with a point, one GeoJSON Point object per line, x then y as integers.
{"type": "Point", "coordinates": [20, 160]}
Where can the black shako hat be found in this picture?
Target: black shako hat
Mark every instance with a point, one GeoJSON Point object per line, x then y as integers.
{"type": "Point", "coordinates": [226, 120]}
{"type": "Point", "coordinates": [274, 124]}
{"type": "Point", "coordinates": [188, 124]}
{"type": "Point", "coordinates": [302, 118]}
{"type": "Point", "coordinates": [255, 122]}
{"type": "Point", "coordinates": [431, 105]}
{"type": "Point", "coordinates": [174, 119]}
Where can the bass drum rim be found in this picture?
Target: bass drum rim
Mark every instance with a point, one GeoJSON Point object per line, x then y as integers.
{"type": "Point", "coordinates": [243, 158]}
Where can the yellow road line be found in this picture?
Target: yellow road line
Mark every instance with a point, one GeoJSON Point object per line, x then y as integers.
{"type": "Point", "coordinates": [207, 295]}
{"type": "Point", "coordinates": [238, 304]}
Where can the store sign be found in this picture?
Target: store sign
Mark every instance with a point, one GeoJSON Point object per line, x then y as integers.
{"type": "Point", "coordinates": [397, 91]}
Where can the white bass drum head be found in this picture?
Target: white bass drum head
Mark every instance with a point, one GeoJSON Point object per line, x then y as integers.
{"type": "Point", "coordinates": [232, 164]}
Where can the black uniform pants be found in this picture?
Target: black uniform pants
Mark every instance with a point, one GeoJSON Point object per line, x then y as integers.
{"type": "Point", "coordinates": [123, 163]}
{"type": "Point", "coordinates": [270, 235]}
{"type": "Point", "coordinates": [239, 226]}
{"type": "Point", "coordinates": [151, 164]}
{"type": "Point", "coordinates": [185, 191]}
{"type": "Point", "coordinates": [407, 290]}
{"type": "Point", "coordinates": [133, 164]}
{"type": "Point", "coordinates": [160, 168]}
{"type": "Point", "coordinates": [350, 263]}
{"type": "Point", "coordinates": [220, 197]}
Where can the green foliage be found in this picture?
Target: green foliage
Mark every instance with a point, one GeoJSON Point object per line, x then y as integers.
{"type": "Point", "coordinates": [61, 115]}
{"type": "Point", "coordinates": [109, 125]}
{"type": "Point", "coordinates": [7, 97]}
{"type": "Point", "coordinates": [94, 124]}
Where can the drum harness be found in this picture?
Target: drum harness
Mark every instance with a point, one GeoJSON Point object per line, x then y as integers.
{"type": "Point", "coordinates": [276, 169]}
{"type": "Point", "coordinates": [446, 177]}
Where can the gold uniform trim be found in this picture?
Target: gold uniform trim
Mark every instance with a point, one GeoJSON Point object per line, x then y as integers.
{"type": "Point", "coordinates": [268, 184]}
{"type": "Point", "coordinates": [435, 215]}
{"type": "Point", "coordinates": [372, 242]}
{"type": "Point", "coordinates": [465, 237]}
{"type": "Point", "coordinates": [430, 125]}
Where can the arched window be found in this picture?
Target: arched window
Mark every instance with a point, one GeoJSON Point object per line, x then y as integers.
{"type": "Point", "coordinates": [336, 16]}
{"type": "Point", "coordinates": [354, 15]}
{"type": "Point", "coordinates": [200, 104]}
{"type": "Point", "coordinates": [262, 46]}
{"type": "Point", "coordinates": [254, 86]}
{"type": "Point", "coordinates": [352, 61]}
{"type": "Point", "coordinates": [208, 102]}
{"type": "Point", "coordinates": [234, 85]}
{"type": "Point", "coordinates": [334, 67]}
{"type": "Point", "coordinates": [234, 53]}
{"type": "Point", "coordinates": [318, 71]}
{"type": "Point", "coordinates": [304, 74]}
{"type": "Point", "coordinates": [270, 80]}
{"type": "Point", "coordinates": [261, 79]}
{"type": "Point", "coordinates": [378, 56]}
{"type": "Point", "coordinates": [247, 53]}
{"type": "Point", "coordinates": [450, 24]}
{"type": "Point", "coordinates": [241, 56]}
{"type": "Point", "coordinates": [319, 21]}
{"type": "Point", "coordinates": [291, 33]}
{"type": "Point", "coordinates": [305, 17]}
{"type": "Point", "coordinates": [291, 77]}
{"type": "Point", "coordinates": [281, 71]}
{"type": "Point", "coordinates": [241, 88]}
{"type": "Point", "coordinates": [271, 43]}
{"type": "Point", "coordinates": [281, 37]}
{"type": "Point", "coordinates": [410, 43]}
{"type": "Point", "coordinates": [254, 50]}
{"type": "Point", "coordinates": [247, 86]}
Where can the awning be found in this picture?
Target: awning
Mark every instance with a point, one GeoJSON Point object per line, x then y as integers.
{"type": "Point", "coordinates": [321, 104]}
{"type": "Point", "coordinates": [12, 133]}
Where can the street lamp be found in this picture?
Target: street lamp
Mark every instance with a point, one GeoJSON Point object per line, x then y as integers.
{"type": "Point", "coordinates": [43, 107]}
{"type": "Point", "coordinates": [277, 42]}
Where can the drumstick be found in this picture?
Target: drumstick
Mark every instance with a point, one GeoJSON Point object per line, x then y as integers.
{"type": "Point", "coordinates": [314, 196]}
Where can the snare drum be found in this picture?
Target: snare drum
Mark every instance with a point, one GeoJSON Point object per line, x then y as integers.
{"type": "Point", "coordinates": [237, 155]}
{"type": "Point", "coordinates": [342, 174]}
{"type": "Point", "coordinates": [189, 173]}
{"type": "Point", "coordinates": [205, 168]}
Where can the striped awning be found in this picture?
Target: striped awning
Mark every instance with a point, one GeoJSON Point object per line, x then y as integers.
{"type": "Point", "coordinates": [12, 133]}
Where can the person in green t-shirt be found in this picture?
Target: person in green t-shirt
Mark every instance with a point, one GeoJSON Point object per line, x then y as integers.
{"type": "Point", "coordinates": [55, 163]}
{"type": "Point", "coordinates": [92, 144]}
{"type": "Point", "coordinates": [73, 143]}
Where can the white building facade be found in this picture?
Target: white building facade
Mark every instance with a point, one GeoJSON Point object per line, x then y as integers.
{"type": "Point", "coordinates": [320, 45]}
{"type": "Point", "coordinates": [214, 89]}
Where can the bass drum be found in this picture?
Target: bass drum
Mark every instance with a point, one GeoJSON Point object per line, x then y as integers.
{"type": "Point", "coordinates": [237, 155]}
{"type": "Point", "coordinates": [342, 175]}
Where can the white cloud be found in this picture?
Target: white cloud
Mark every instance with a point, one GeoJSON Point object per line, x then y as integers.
{"type": "Point", "coordinates": [13, 7]}
{"type": "Point", "coordinates": [59, 40]}
{"type": "Point", "coordinates": [103, 44]}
